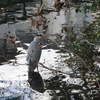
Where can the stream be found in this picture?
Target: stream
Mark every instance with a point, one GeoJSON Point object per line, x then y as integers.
{"type": "Point", "coordinates": [61, 68]}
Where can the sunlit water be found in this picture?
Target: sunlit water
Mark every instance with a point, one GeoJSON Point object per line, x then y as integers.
{"type": "Point", "coordinates": [13, 77]}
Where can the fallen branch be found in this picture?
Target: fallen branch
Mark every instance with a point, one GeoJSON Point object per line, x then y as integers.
{"type": "Point", "coordinates": [60, 71]}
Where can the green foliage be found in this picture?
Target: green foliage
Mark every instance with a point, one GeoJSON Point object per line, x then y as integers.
{"type": "Point", "coordinates": [84, 47]}
{"type": "Point", "coordinates": [3, 1]}
{"type": "Point", "coordinates": [86, 8]}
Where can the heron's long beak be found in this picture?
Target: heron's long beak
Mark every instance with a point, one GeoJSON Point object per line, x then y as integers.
{"type": "Point", "coordinates": [45, 36]}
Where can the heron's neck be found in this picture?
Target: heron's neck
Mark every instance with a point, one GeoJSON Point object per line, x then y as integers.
{"type": "Point", "coordinates": [37, 40]}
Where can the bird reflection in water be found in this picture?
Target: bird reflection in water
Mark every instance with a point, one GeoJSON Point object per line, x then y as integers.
{"type": "Point", "coordinates": [36, 82]}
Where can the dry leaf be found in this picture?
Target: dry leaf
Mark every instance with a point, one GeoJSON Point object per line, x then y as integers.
{"type": "Point", "coordinates": [55, 18]}
{"type": "Point", "coordinates": [32, 21]}
{"type": "Point", "coordinates": [40, 20]}
{"type": "Point", "coordinates": [9, 31]}
{"type": "Point", "coordinates": [46, 26]}
{"type": "Point", "coordinates": [30, 79]}
{"type": "Point", "coordinates": [91, 83]}
{"type": "Point", "coordinates": [40, 45]}
{"type": "Point", "coordinates": [32, 50]}
{"type": "Point", "coordinates": [12, 41]}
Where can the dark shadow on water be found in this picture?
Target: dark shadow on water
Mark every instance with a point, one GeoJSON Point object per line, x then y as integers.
{"type": "Point", "coordinates": [64, 90]}
{"type": "Point", "coordinates": [36, 82]}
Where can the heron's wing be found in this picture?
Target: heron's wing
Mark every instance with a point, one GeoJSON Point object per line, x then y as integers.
{"type": "Point", "coordinates": [34, 52]}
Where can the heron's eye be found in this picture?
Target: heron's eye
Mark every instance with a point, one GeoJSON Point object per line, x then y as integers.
{"type": "Point", "coordinates": [39, 35]}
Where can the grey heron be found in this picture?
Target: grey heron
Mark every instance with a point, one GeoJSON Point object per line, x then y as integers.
{"type": "Point", "coordinates": [34, 52]}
